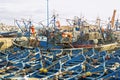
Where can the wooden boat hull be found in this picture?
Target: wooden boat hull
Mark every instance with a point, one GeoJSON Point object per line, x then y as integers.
{"type": "Point", "coordinates": [106, 47]}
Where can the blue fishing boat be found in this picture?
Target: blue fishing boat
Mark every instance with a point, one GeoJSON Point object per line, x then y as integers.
{"type": "Point", "coordinates": [71, 74]}
{"type": "Point", "coordinates": [3, 60]}
{"type": "Point", "coordinates": [12, 68]}
{"type": "Point", "coordinates": [48, 72]}
{"type": "Point", "coordinates": [73, 62]}
{"type": "Point", "coordinates": [94, 73]}
{"type": "Point", "coordinates": [112, 76]}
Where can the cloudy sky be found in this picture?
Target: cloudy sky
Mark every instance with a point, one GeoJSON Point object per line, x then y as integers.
{"type": "Point", "coordinates": [36, 9]}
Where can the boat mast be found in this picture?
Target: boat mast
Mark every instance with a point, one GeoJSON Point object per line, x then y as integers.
{"type": "Point", "coordinates": [47, 13]}
{"type": "Point", "coordinates": [47, 19]}
{"type": "Point", "coordinates": [99, 26]}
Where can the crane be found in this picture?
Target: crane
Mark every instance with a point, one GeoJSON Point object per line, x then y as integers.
{"type": "Point", "coordinates": [113, 19]}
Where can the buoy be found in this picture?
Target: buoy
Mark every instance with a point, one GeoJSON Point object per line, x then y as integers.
{"type": "Point", "coordinates": [43, 70]}
{"type": "Point", "coordinates": [88, 73]}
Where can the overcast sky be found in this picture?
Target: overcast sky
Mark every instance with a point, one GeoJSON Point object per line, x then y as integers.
{"type": "Point", "coordinates": [36, 9]}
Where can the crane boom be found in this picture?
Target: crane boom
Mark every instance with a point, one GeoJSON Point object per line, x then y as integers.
{"type": "Point", "coordinates": [113, 19]}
